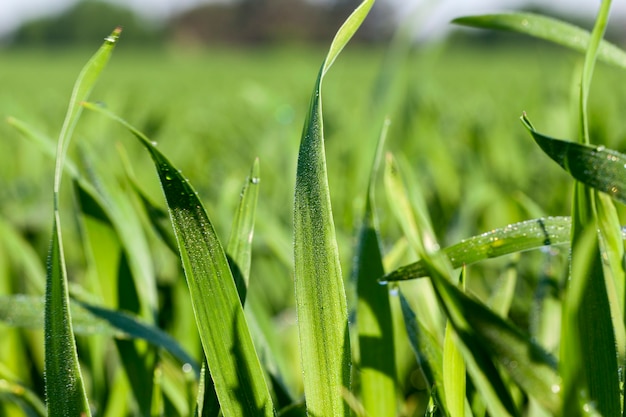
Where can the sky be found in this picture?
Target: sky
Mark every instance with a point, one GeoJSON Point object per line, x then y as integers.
{"type": "Point", "coordinates": [438, 12]}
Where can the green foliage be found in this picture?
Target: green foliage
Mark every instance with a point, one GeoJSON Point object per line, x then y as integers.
{"type": "Point", "coordinates": [148, 312]}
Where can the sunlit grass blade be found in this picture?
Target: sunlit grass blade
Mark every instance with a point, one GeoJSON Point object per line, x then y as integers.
{"type": "Point", "coordinates": [239, 381]}
{"type": "Point", "coordinates": [547, 28]}
{"type": "Point", "coordinates": [320, 295]}
{"type": "Point", "coordinates": [65, 392]}
{"type": "Point", "coordinates": [239, 247]}
{"type": "Point", "coordinates": [514, 238]}
{"type": "Point", "coordinates": [374, 321]}
{"type": "Point", "coordinates": [480, 328]}
{"type": "Point", "coordinates": [454, 382]}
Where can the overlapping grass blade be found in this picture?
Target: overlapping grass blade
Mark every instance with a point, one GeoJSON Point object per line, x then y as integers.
{"type": "Point", "coordinates": [514, 238]}
{"type": "Point", "coordinates": [375, 327]}
{"type": "Point", "coordinates": [239, 381]}
{"type": "Point", "coordinates": [320, 296]}
{"type": "Point", "coordinates": [428, 351]}
{"type": "Point", "coordinates": [547, 28]}
{"type": "Point", "coordinates": [587, 328]}
{"type": "Point", "coordinates": [418, 231]}
{"type": "Point", "coordinates": [485, 336]}
{"type": "Point", "coordinates": [65, 392]}
{"type": "Point", "coordinates": [112, 207]}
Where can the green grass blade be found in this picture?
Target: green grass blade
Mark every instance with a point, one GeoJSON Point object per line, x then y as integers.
{"type": "Point", "coordinates": [454, 382]}
{"type": "Point", "coordinates": [427, 350]}
{"type": "Point", "coordinates": [547, 28]}
{"type": "Point", "coordinates": [514, 238]}
{"type": "Point", "coordinates": [65, 392]}
{"type": "Point", "coordinates": [480, 328]}
{"type": "Point", "coordinates": [320, 295]}
{"type": "Point", "coordinates": [418, 231]}
{"type": "Point", "coordinates": [233, 363]}
{"type": "Point", "coordinates": [595, 166]}
{"type": "Point", "coordinates": [82, 88]}
{"type": "Point", "coordinates": [27, 312]}
{"type": "Point", "coordinates": [239, 246]}
{"type": "Point", "coordinates": [374, 321]}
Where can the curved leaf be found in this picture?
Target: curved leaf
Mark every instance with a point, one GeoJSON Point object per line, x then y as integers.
{"type": "Point", "coordinates": [596, 166]}
{"type": "Point", "coordinates": [517, 237]}
{"type": "Point", "coordinates": [233, 363]}
{"type": "Point", "coordinates": [547, 28]}
{"type": "Point", "coordinates": [320, 295]}
{"type": "Point", "coordinates": [65, 392]}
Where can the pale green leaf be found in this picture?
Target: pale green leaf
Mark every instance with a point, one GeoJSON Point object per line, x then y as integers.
{"type": "Point", "coordinates": [320, 295]}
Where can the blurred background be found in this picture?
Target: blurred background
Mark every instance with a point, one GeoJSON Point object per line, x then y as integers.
{"type": "Point", "coordinates": [207, 22]}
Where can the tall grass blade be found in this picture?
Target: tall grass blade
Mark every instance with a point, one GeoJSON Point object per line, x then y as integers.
{"type": "Point", "coordinates": [234, 366]}
{"type": "Point", "coordinates": [65, 392]}
{"type": "Point", "coordinates": [374, 321]}
{"type": "Point", "coordinates": [547, 28]}
{"type": "Point", "coordinates": [514, 238]}
{"type": "Point", "coordinates": [320, 295]}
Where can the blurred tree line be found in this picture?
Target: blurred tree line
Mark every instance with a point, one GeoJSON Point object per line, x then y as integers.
{"type": "Point", "coordinates": [241, 22]}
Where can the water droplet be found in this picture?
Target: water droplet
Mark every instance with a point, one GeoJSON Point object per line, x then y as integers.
{"type": "Point", "coordinates": [383, 282]}
{"type": "Point", "coordinates": [153, 143]}
{"type": "Point", "coordinates": [600, 148]}
{"type": "Point", "coordinates": [556, 388]}
{"type": "Point", "coordinates": [255, 180]}
{"type": "Point", "coordinates": [393, 291]}
{"type": "Point", "coordinates": [187, 368]}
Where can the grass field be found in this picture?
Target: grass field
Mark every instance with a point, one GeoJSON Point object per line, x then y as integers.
{"type": "Point", "coordinates": [454, 109]}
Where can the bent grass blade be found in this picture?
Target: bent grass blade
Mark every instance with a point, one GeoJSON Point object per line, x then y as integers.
{"type": "Point", "coordinates": [233, 363]}
{"type": "Point", "coordinates": [514, 238]}
{"type": "Point", "coordinates": [320, 295]}
{"type": "Point", "coordinates": [546, 28]}
{"type": "Point", "coordinates": [65, 392]}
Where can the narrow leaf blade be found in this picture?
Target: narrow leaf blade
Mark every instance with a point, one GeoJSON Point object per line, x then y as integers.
{"type": "Point", "coordinates": [547, 28]}
{"type": "Point", "coordinates": [514, 238]}
{"type": "Point", "coordinates": [235, 369]}
{"type": "Point", "coordinates": [320, 295]}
